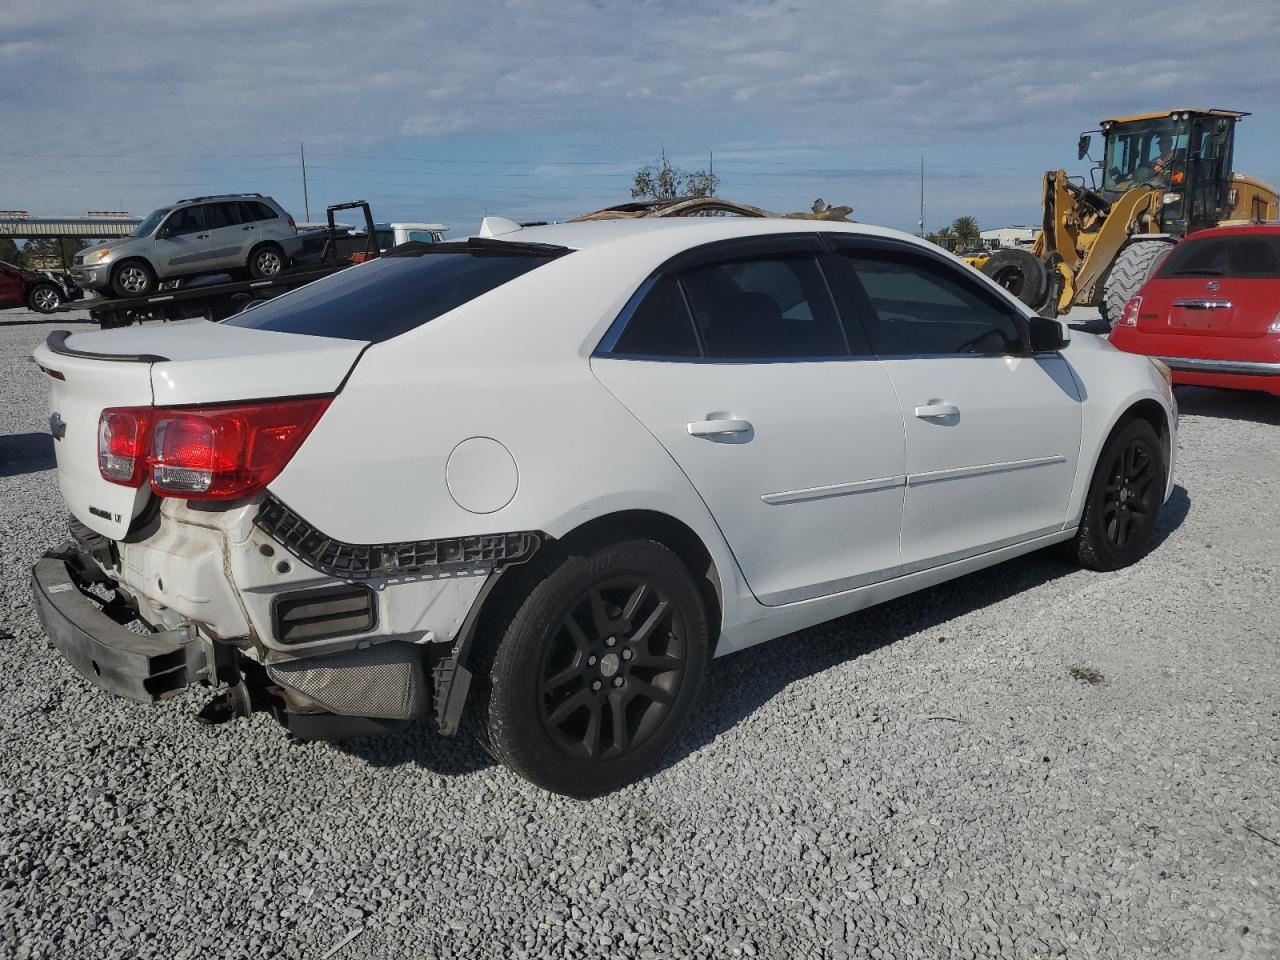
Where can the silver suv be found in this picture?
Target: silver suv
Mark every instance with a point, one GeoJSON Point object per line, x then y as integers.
{"type": "Point", "coordinates": [217, 234]}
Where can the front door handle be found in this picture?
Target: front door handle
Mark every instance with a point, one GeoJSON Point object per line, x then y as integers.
{"type": "Point", "coordinates": [202, 236]}
{"type": "Point", "coordinates": [936, 409]}
{"type": "Point", "coordinates": [718, 428]}
{"type": "Point", "coordinates": [248, 228]}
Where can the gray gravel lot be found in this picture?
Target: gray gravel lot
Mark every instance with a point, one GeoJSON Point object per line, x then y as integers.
{"type": "Point", "coordinates": [1032, 761]}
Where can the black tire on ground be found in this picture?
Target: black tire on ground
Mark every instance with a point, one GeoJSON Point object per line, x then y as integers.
{"type": "Point", "coordinates": [133, 278]}
{"type": "Point", "coordinates": [599, 657]}
{"type": "Point", "coordinates": [1132, 268]}
{"type": "Point", "coordinates": [1124, 499]}
{"type": "Point", "coordinates": [44, 297]}
{"type": "Point", "coordinates": [266, 261]}
{"type": "Point", "coordinates": [1020, 272]}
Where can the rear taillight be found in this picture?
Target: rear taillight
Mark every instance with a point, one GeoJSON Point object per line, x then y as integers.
{"type": "Point", "coordinates": [205, 453]}
{"type": "Point", "coordinates": [1129, 315]}
{"type": "Point", "coordinates": [293, 226]}
{"type": "Point", "coordinates": [124, 435]}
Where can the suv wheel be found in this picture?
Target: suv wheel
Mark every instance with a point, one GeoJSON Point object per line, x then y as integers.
{"type": "Point", "coordinates": [133, 278]}
{"type": "Point", "coordinates": [44, 298]}
{"type": "Point", "coordinates": [266, 262]}
{"type": "Point", "coordinates": [1124, 499]}
{"type": "Point", "coordinates": [597, 667]}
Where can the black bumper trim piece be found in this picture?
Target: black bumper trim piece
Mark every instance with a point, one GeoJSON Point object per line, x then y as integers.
{"type": "Point", "coordinates": [138, 667]}
{"type": "Point", "coordinates": [363, 561]}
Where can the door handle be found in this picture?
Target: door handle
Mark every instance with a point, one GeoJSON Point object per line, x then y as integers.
{"type": "Point", "coordinates": [248, 228]}
{"type": "Point", "coordinates": [202, 236]}
{"type": "Point", "coordinates": [936, 409]}
{"type": "Point", "coordinates": [717, 428]}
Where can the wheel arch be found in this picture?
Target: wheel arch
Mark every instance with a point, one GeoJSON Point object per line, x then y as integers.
{"type": "Point", "coordinates": [675, 535]}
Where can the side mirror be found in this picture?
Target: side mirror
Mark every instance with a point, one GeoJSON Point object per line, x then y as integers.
{"type": "Point", "coordinates": [1082, 147]}
{"type": "Point", "coordinates": [1048, 335]}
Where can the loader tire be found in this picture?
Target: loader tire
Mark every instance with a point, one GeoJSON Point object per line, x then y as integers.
{"type": "Point", "coordinates": [1021, 273]}
{"type": "Point", "coordinates": [1133, 266]}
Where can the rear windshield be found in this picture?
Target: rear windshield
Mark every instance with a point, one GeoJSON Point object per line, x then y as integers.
{"type": "Point", "coordinates": [382, 299]}
{"type": "Point", "coordinates": [1257, 255]}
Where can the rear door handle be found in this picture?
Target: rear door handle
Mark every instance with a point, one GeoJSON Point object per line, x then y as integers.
{"type": "Point", "coordinates": [717, 428]}
{"type": "Point", "coordinates": [936, 409]}
{"type": "Point", "coordinates": [202, 236]}
{"type": "Point", "coordinates": [248, 228]}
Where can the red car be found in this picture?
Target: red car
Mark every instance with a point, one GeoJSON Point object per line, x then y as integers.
{"type": "Point", "coordinates": [34, 289]}
{"type": "Point", "coordinates": [1211, 311]}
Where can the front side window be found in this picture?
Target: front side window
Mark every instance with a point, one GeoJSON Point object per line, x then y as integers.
{"type": "Point", "coordinates": [767, 308]}
{"type": "Point", "coordinates": [148, 226]}
{"type": "Point", "coordinates": [920, 307]}
{"type": "Point", "coordinates": [384, 298]}
{"type": "Point", "coordinates": [185, 221]}
{"type": "Point", "coordinates": [1144, 151]}
{"type": "Point", "coordinates": [1244, 257]}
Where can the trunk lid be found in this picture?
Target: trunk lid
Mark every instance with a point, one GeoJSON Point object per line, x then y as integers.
{"type": "Point", "coordinates": [177, 364]}
{"type": "Point", "coordinates": [1214, 307]}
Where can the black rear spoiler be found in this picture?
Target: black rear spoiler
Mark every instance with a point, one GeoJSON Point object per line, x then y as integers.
{"type": "Point", "coordinates": [57, 342]}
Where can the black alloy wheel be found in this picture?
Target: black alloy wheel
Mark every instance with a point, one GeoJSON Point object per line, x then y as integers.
{"type": "Point", "coordinates": [612, 669]}
{"type": "Point", "coordinates": [598, 658]}
{"type": "Point", "coordinates": [1124, 499]}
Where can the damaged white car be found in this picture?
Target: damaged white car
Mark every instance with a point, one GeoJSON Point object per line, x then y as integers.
{"type": "Point", "coordinates": [547, 473]}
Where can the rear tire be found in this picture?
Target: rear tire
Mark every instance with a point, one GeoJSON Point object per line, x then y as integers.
{"type": "Point", "coordinates": [266, 261]}
{"type": "Point", "coordinates": [1124, 500]}
{"type": "Point", "coordinates": [1133, 267]}
{"type": "Point", "coordinates": [44, 297]}
{"type": "Point", "coordinates": [599, 660]}
{"type": "Point", "coordinates": [1020, 272]}
{"type": "Point", "coordinates": [133, 278]}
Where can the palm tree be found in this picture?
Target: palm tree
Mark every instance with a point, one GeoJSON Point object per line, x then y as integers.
{"type": "Point", "coordinates": [966, 230]}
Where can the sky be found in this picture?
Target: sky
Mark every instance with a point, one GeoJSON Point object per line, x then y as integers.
{"type": "Point", "coordinates": [543, 109]}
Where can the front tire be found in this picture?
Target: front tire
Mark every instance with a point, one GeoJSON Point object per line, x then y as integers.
{"type": "Point", "coordinates": [1124, 499]}
{"type": "Point", "coordinates": [597, 667]}
{"type": "Point", "coordinates": [133, 278]}
{"type": "Point", "coordinates": [44, 297]}
{"type": "Point", "coordinates": [1132, 268]}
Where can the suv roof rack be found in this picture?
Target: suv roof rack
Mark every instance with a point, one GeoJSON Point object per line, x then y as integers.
{"type": "Point", "coordinates": [219, 196]}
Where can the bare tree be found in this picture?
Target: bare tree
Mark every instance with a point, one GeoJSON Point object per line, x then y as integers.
{"type": "Point", "coordinates": [665, 181]}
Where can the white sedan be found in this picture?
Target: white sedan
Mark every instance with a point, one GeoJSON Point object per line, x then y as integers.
{"type": "Point", "coordinates": [547, 473]}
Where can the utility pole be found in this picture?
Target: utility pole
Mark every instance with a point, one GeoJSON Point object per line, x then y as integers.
{"type": "Point", "coordinates": [711, 170]}
{"type": "Point", "coordinates": [306, 202]}
{"type": "Point", "coordinates": [922, 196]}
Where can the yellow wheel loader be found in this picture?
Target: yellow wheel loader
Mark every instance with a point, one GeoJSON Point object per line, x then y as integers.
{"type": "Point", "coordinates": [1163, 175]}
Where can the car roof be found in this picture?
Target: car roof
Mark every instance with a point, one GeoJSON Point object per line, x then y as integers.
{"type": "Point", "coordinates": [680, 233]}
{"type": "Point", "coordinates": [1261, 228]}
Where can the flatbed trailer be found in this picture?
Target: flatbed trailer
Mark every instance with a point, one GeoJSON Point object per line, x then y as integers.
{"type": "Point", "coordinates": [217, 301]}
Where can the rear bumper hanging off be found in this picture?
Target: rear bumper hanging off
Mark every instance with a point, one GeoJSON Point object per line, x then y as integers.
{"type": "Point", "coordinates": [141, 667]}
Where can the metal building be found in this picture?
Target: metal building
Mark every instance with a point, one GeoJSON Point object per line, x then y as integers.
{"type": "Point", "coordinates": [94, 225]}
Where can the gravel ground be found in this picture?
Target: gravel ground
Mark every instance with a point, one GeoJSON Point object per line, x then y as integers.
{"type": "Point", "coordinates": [1032, 761]}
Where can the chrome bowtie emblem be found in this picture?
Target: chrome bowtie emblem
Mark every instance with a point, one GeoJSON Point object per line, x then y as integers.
{"type": "Point", "coordinates": [1212, 285]}
{"type": "Point", "coordinates": [57, 426]}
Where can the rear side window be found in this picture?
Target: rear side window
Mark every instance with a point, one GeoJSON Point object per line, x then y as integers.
{"type": "Point", "coordinates": [385, 297]}
{"type": "Point", "coordinates": [252, 211]}
{"type": "Point", "coordinates": [1242, 257]}
{"type": "Point", "coordinates": [222, 215]}
{"type": "Point", "coordinates": [768, 308]}
{"type": "Point", "coordinates": [920, 307]}
{"type": "Point", "coordinates": [660, 326]}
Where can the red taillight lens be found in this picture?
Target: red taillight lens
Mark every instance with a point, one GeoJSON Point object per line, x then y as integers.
{"type": "Point", "coordinates": [220, 453]}
{"type": "Point", "coordinates": [124, 435]}
{"type": "Point", "coordinates": [1129, 315]}
{"type": "Point", "coordinates": [293, 226]}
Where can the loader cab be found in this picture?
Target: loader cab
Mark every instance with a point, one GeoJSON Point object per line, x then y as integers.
{"type": "Point", "coordinates": [1184, 154]}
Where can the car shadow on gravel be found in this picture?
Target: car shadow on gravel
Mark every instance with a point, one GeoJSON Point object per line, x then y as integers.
{"type": "Point", "coordinates": [1228, 404]}
{"type": "Point", "coordinates": [740, 684]}
{"type": "Point", "coordinates": [25, 453]}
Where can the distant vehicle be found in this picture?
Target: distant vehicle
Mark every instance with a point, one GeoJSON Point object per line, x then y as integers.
{"type": "Point", "coordinates": [556, 469]}
{"type": "Point", "coordinates": [351, 240]}
{"type": "Point", "coordinates": [39, 290]}
{"type": "Point", "coordinates": [1211, 312]}
{"type": "Point", "coordinates": [239, 231]}
{"type": "Point", "coordinates": [393, 234]}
